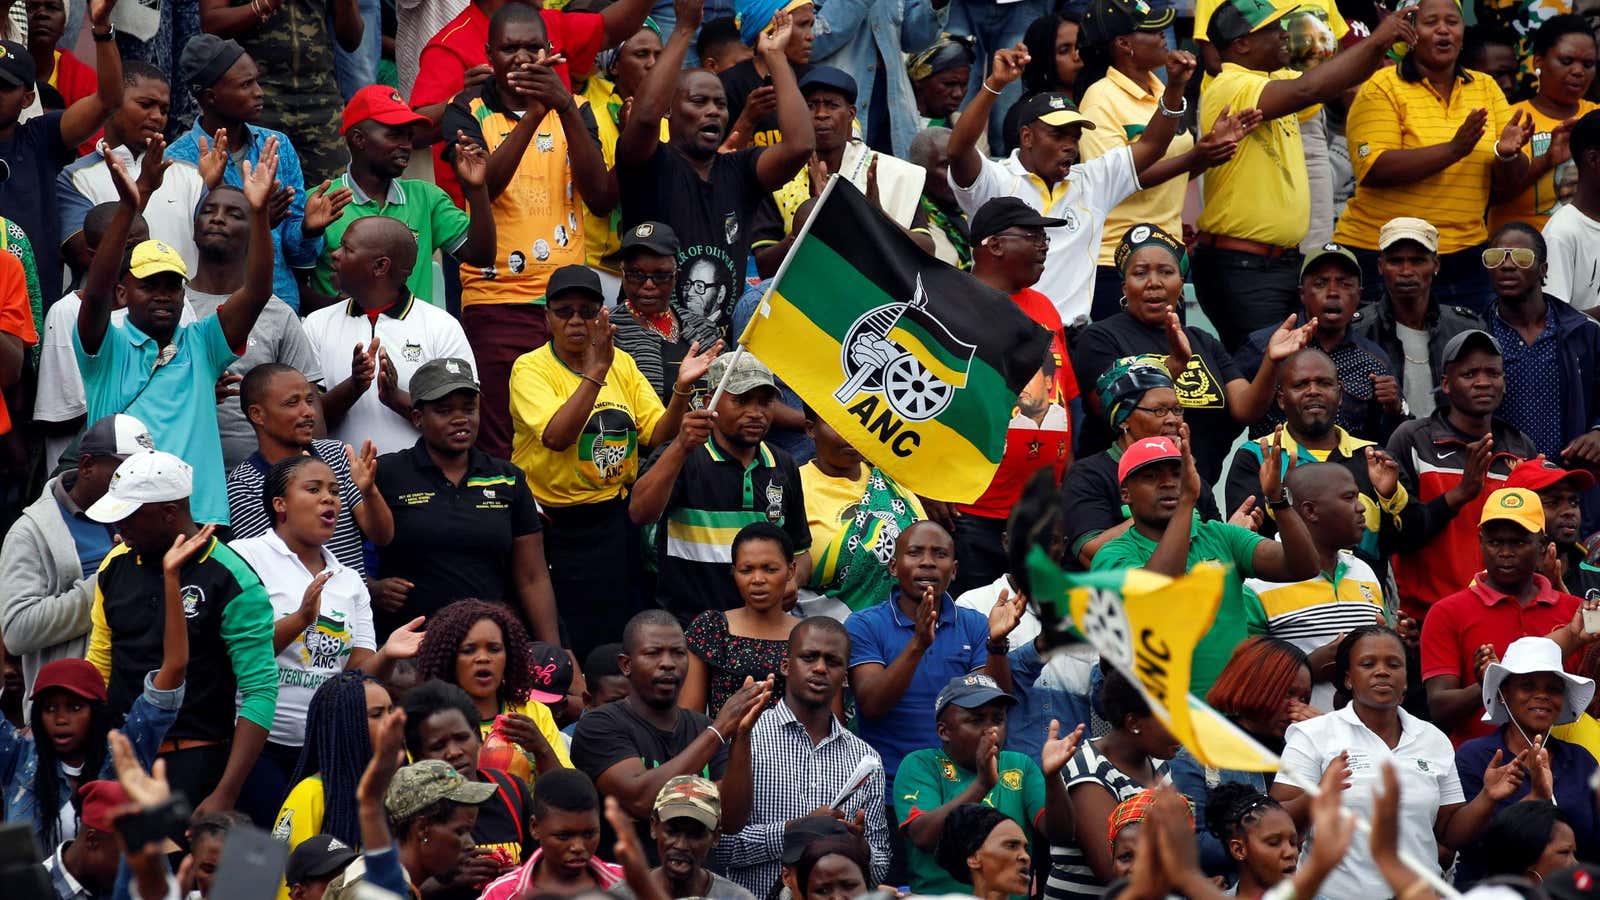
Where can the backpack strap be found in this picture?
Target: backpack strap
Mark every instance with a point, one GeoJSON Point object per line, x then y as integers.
{"type": "Point", "coordinates": [506, 786]}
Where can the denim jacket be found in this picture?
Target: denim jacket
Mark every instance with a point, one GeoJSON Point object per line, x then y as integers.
{"type": "Point", "coordinates": [869, 39]}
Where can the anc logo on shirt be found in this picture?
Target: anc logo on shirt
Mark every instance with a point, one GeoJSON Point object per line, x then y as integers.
{"type": "Point", "coordinates": [192, 597]}
{"type": "Point", "coordinates": [608, 445]}
{"type": "Point", "coordinates": [1012, 779]}
{"type": "Point", "coordinates": [326, 641]}
{"type": "Point", "coordinates": [1196, 387]}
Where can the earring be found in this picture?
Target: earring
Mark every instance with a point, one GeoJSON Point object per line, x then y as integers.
{"type": "Point", "coordinates": [424, 839]}
{"type": "Point", "coordinates": [1136, 731]}
{"type": "Point", "coordinates": [1123, 301]}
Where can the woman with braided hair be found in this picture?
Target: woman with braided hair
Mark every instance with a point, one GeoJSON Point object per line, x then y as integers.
{"type": "Point", "coordinates": [482, 648]}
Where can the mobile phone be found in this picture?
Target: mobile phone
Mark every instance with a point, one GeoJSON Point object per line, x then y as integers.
{"type": "Point", "coordinates": [155, 825]}
{"type": "Point", "coordinates": [766, 81]}
{"type": "Point", "coordinates": [1591, 620]}
{"type": "Point", "coordinates": [252, 863]}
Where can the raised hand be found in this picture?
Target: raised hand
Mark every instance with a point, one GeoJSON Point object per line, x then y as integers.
{"type": "Point", "coordinates": [927, 618]}
{"type": "Point", "coordinates": [1272, 475]}
{"type": "Point", "coordinates": [1386, 390]}
{"type": "Point", "coordinates": [184, 548]}
{"type": "Point", "coordinates": [1482, 658]}
{"type": "Point", "coordinates": [696, 428]}
{"type": "Point", "coordinates": [147, 789]}
{"type": "Point", "coordinates": [1541, 780]}
{"type": "Point", "coordinates": [731, 717]}
{"type": "Point", "coordinates": [100, 12]}
{"type": "Point", "coordinates": [259, 178]}
{"type": "Point", "coordinates": [1056, 751]}
{"type": "Point", "coordinates": [153, 167]}
{"type": "Point", "coordinates": [1518, 131]}
{"type": "Point", "coordinates": [687, 14]}
{"type": "Point", "coordinates": [1180, 66]}
{"type": "Point", "coordinates": [759, 706]}
{"type": "Point", "coordinates": [363, 465]}
{"type": "Point", "coordinates": [1501, 781]}
{"type": "Point", "coordinates": [477, 75]}
{"type": "Point", "coordinates": [282, 201]}
{"type": "Point", "coordinates": [405, 641]}
{"type": "Point", "coordinates": [696, 364]}
{"type": "Point", "coordinates": [1333, 826]}
{"type": "Point", "coordinates": [1178, 348]}
{"type": "Point", "coordinates": [389, 594]}
{"type": "Point", "coordinates": [1222, 142]}
{"type": "Point", "coordinates": [1246, 516]}
{"type": "Point", "coordinates": [1476, 469]}
{"type": "Point", "coordinates": [213, 161]}
{"type": "Point", "coordinates": [472, 163]}
{"type": "Point", "coordinates": [1469, 132]}
{"type": "Point", "coordinates": [1396, 28]}
{"type": "Point", "coordinates": [1006, 614]}
{"type": "Point", "coordinates": [1583, 451]}
{"type": "Point", "coordinates": [311, 600]}
{"type": "Point", "coordinates": [364, 365]}
{"type": "Point", "coordinates": [387, 750]}
{"type": "Point", "coordinates": [601, 350]}
{"type": "Point", "coordinates": [1007, 66]}
{"type": "Point", "coordinates": [1191, 486]}
{"type": "Point", "coordinates": [775, 38]}
{"type": "Point", "coordinates": [388, 380]}
{"type": "Point", "coordinates": [1288, 340]}
{"type": "Point", "coordinates": [989, 758]}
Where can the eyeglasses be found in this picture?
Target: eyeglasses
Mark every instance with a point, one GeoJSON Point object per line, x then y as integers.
{"type": "Point", "coordinates": [587, 311]}
{"type": "Point", "coordinates": [1038, 240]}
{"type": "Point", "coordinates": [1495, 257]}
{"type": "Point", "coordinates": [1162, 412]}
{"type": "Point", "coordinates": [638, 276]}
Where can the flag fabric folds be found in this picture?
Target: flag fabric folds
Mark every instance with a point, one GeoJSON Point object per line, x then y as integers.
{"type": "Point", "coordinates": [915, 363]}
{"type": "Point", "coordinates": [1147, 625]}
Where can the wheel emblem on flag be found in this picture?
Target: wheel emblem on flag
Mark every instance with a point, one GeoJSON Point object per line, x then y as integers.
{"type": "Point", "coordinates": [904, 353]}
{"type": "Point", "coordinates": [1106, 627]}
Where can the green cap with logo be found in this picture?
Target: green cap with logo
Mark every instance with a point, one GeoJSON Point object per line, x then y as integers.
{"type": "Point", "coordinates": [420, 785]}
{"type": "Point", "coordinates": [439, 378]}
{"type": "Point", "coordinates": [1236, 18]}
{"type": "Point", "coordinates": [690, 797]}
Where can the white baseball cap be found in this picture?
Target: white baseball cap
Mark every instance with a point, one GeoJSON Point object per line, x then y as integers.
{"type": "Point", "coordinates": [148, 476]}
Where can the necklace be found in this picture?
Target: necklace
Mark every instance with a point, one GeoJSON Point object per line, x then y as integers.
{"type": "Point", "coordinates": [663, 323]}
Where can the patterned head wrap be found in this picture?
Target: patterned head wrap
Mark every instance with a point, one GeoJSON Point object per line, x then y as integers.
{"type": "Point", "coordinates": [1124, 384]}
{"type": "Point", "coordinates": [1133, 810]}
{"type": "Point", "coordinates": [1147, 235]}
{"type": "Point", "coordinates": [948, 52]}
{"type": "Point", "coordinates": [606, 60]}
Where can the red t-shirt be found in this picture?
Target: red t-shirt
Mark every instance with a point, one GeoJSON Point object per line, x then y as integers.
{"type": "Point", "coordinates": [16, 315]}
{"type": "Point", "coordinates": [1030, 445]}
{"type": "Point", "coordinates": [443, 65]}
{"type": "Point", "coordinates": [1459, 624]}
{"type": "Point", "coordinates": [74, 81]}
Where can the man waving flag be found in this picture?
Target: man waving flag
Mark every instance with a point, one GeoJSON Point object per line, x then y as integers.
{"type": "Point", "coordinates": [915, 363]}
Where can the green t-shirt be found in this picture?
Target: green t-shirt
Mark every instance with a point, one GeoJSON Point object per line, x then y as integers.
{"type": "Point", "coordinates": [1208, 540]}
{"type": "Point", "coordinates": [927, 780]}
{"type": "Point", "coordinates": [424, 208]}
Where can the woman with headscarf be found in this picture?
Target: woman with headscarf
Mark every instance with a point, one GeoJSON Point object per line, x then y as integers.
{"type": "Point", "coordinates": [608, 95]}
{"type": "Point", "coordinates": [1137, 396]}
{"type": "Point", "coordinates": [1217, 399]}
{"type": "Point", "coordinates": [752, 99]}
{"type": "Point", "coordinates": [939, 76]}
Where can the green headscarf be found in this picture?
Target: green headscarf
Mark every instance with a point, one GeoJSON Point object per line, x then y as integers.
{"type": "Point", "coordinates": [1123, 385]}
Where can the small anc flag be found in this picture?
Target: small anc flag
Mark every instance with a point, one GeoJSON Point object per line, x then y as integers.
{"type": "Point", "coordinates": [915, 363]}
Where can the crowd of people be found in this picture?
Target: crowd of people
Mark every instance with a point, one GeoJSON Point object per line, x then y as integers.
{"type": "Point", "coordinates": [380, 467]}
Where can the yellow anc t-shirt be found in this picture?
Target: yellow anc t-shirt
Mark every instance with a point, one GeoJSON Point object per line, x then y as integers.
{"type": "Point", "coordinates": [604, 460]}
{"type": "Point", "coordinates": [1392, 114]}
{"type": "Point", "coordinates": [299, 818]}
{"type": "Point", "coordinates": [1535, 204]}
{"type": "Point", "coordinates": [545, 721]}
{"type": "Point", "coordinates": [1315, 30]}
{"type": "Point", "coordinates": [1261, 194]}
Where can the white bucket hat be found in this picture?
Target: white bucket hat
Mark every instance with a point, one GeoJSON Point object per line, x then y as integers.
{"type": "Point", "coordinates": [1526, 656]}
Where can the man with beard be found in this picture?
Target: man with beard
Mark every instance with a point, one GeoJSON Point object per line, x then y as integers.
{"type": "Point", "coordinates": [710, 199]}
{"type": "Point", "coordinates": [801, 734]}
{"type": "Point", "coordinates": [1308, 392]}
{"type": "Point", "coordinates": [686, 823]}
{"type": "Point", "coordinates": [1406, 322]}
{"type": "Point", "coordinates": [280, 404]}
{"type": "Point", "coordinates": [1370, 405]}
{"type": "Point", "coordinates": [221, 235]}
{"type": "Point", "coordinates": [1346, 592]}
{"type": "Point", "coordinates": [1448, 457]}
{"type": "Point", "coordinates": [1565, 561]}
{"type": "Point", "coordinates": [1160, 487]}
{"type": "Point", "coordinates": [703, 491]}
{"type": "Point", "coordinates": [631, 748]}
{"type": "Point", "coordinates": [378, 129]}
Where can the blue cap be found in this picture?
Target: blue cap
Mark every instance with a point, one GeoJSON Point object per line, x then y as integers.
{"type": "Point", "coordinates": [830, 78]}
{"type": "Point", "coordinates": [970, 692]}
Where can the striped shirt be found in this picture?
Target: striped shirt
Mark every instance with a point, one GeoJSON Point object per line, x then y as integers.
{"type": "Point", "coordinates": [792, 778]}
{"type": "Point", "coordinates": [1310, 613]}
{"type": "Point", "coordinates": [248, 514]}
{"type": "Point", "coordinates": [658, 359]}
{"type": "Point", "coordinates": [1392, 114]}
{"type": "Point", "coordinates": [1070, 875]}
{"type": "Point", "coordinates": [518, 883]}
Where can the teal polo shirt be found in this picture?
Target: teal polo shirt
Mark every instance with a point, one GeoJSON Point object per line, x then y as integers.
{"type": "Point", "coordinates": [1208, 541]}
{"type": "Point", "coordinates": [176, 400]}
{"type": "Point", "coordinates": [424, 208]}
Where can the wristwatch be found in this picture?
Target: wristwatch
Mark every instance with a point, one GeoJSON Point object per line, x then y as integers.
{"type": "Point", "coordinates": [1284, 501]}
{"type": "Point", "coordinates": [110, 34]}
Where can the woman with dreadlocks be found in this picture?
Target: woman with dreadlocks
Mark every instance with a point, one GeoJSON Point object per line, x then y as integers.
{"type": "Point", "coordinates": [66, 745]}
{"type": "Point", "coordinates": [481, 648]}
{"type": "Point", "coordinates": [343, 715]}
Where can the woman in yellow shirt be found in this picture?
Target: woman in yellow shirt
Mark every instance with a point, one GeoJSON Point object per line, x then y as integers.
{"type": "Point", "coordinates": [1564, 49]}
{"type": "Point", "coordinates": [1431, 135]}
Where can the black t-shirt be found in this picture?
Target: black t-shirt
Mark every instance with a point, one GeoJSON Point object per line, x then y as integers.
{"type": "Point", "coordinates": [451, 541]}
{"type": "Point", "coordinates": [614, 732]}
{"type": "Point", "coordinates": [504, 823]}
{"type": "Point", "coordinates": [1201, 389]}
{"type": "Point", "coordinates": [35, 155]}
{"type": "Point", "coordinates": [713, 219]}
{"type": "Point", "coordinates": [738, 82]}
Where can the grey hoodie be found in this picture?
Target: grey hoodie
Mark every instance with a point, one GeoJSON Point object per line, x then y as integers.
{"type": "Point", "coordinates": [46, 597]}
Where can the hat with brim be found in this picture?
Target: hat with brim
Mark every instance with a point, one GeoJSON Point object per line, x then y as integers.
{"type": "Point", "coordinates": [1145, 452]}
{"type": "Point", "coordinates": [1539, 474]}
{"type": "Point", "coordinates": [1331, 252]}
{"type": "Point", "coordinates": [420, 785]}
{"type": "Point", "coordinates": [1467, 341]}
{"type": "Point", "coordinates": [439, 378]}
{"type": "Point", "coordinates": [154, 258]}
{"type": "Point", "coordinates": [1107, 20]}
{"type": "Point", "coordinates": [1052, 109]}
{"type": "Point", "coordinates": [1528, 656]}
{"type": "Point", "coordinates": [1236, 18]}
{"type": "Point", "coordinates": [148, 476]}
{"type": "Point", "coordinates": [971, 691]}
{"type": "Point", "coordinates": [318, 857]}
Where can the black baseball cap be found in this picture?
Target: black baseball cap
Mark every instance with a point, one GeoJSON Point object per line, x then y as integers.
{"type": "Point", "coordinates": [1234, 19]}
{"type": "Point", "coordinates": [16, 65]}
{"type": "Point", "coordinates": [799, 833]}
{"type": "Point", "coordinates": [1467, 341]}
{"type": "Point", "coordinates": [651, 237]}
{"type": "Point", "coordinates": [1052, 109]}
{"type": "Point", "coordinates": [552, 672]}
{"type": "Point", "coordinates": [1106, 20]}
{"type": "Point", "coordinates": [1007, 212]}
{"type": "Point", "coordinates": [574, 278]}
{"type": "Point", "coordinates": [318, 856]}
{"type": "Point", "coordinates": [830, 78]}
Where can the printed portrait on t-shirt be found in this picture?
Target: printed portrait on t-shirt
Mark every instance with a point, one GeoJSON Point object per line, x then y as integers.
{"type": "Point", "coordinates": [705, 283]}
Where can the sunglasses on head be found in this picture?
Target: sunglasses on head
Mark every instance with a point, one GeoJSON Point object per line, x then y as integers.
{"type": "Point", "coordinates": [1495, 257]}
{"type": "Point", "coordinates": [586, 311]}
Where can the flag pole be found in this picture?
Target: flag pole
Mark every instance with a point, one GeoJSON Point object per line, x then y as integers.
{"type": "Point", "coordinates": [744, 337]}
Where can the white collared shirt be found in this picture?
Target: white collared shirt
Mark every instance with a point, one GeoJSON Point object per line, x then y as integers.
{"type": "Point", "coordinates": [1425, 763]}
{"type": "Point", "coordinates": [1092, 190]}
{"type": "Point", "coordinates": [344, 624]}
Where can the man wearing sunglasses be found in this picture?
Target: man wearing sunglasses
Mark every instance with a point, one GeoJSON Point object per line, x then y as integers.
{"type": "Point", "coordinates": [1551, 351]}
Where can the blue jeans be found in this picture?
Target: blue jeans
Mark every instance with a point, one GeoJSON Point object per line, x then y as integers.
{"type": "Point", "coordinates": [996, 26]}
{"type": "Point", "coordinates": [356, 69]}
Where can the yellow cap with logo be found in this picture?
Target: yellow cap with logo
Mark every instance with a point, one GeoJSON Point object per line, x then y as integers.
{"type": "Point", "coordinates": [1518, 505]}
{"type": "Point", "coordinates": [153, 258]}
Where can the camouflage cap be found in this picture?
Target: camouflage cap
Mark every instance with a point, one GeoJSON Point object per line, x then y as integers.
{"type": "Point", "coordinates": [690, 797]}
{"type": "Point", "coordinates": [748, 373]}
{"type": "Point", "coordinates": [420, 785]}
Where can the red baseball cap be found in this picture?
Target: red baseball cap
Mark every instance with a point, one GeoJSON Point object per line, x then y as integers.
{"type": "Point", "coordinates": [1145, 451]}
{"type": "Point", "coordinates": [76, 676]}
{"type": "Point", "coordinates": [101, 800]}
{"type": "Point", "coordinates": [382, 104]}
{"type": "Point", "coordinates": [1538, 474]}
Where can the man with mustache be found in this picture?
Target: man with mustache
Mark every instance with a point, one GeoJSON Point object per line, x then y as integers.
{"type": "Point", "coordinates": [686, 824]}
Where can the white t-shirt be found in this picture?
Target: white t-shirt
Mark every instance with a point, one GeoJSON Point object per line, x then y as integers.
{"type": "Point", "coordinates": [1092, 189]}
{"type": "Point", "coordinates": [1424, 762]}
{"type": "Point", "coordinates": [169, 212]}
{"type": "Point", "coordinates": [982, 601]}
{"type": "Point", "coordinates": [411, 332]}
{"type": "Point", "coordinates": [344, 623]}
{"type": "Point", "coordinates": [1418, 380]}
{"type": "Point", "coordinates": [61, 397]}
{"type": "Point", "coordinates": [1574, 274]}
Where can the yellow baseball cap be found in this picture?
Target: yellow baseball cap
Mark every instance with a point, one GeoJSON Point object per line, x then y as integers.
{"type": "Point", "coordinates": [1518, 505]}
{"type": "Point", "coordinates": [153, 258]}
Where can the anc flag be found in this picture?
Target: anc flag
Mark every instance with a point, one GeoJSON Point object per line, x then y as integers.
{"type": "Point", "coordinates": [915, 363]}
{"type": "Point", "coordinates": [1147, 625]}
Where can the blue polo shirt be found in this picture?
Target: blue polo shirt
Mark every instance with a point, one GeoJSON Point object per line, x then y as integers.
{"type": "Point", "coordinates": [878, 634]}
{"type": "Point", "coordinates": [1571, 767]}
{"type": "Point", "coordinates": [175, 400]}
